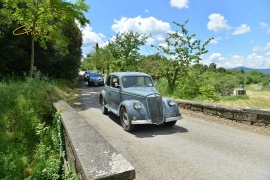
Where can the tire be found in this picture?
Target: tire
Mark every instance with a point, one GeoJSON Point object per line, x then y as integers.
{"type": "Point", "coordinates": [89, 84]}
{"type": "Point", "coordinates": [169, 124]}
{"type": "Point", "coordinates": [103, 108]}
{"type": "Point", "coordinates": [125, 122]}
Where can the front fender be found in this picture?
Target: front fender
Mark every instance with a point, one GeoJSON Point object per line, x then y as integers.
{"type": "Point", "coordinates": [169, 110]}
{"type": "Point", "coordinates": [140, 114]}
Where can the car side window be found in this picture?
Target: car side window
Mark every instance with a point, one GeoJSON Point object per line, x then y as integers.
{"type": "Point", "coordinates": [115, 79]}
{"type": "Point", "coordinates": [148, 82]}
{"type": "Point", "coordinates": [108, 79]}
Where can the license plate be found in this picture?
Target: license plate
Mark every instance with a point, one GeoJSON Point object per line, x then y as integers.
{"type": "Point", "coordinates": [96, 84]}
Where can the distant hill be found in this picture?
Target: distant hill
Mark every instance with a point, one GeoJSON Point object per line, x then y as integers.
{"type": "Point", "coordinates": [266, 71]}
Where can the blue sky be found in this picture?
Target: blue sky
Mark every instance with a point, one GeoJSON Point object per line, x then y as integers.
{"type": "Point", "coordinates": [241, 28]}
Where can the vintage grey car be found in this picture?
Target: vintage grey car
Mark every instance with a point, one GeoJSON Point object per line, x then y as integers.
{"type": "Point", "coordinates": [133, 97]}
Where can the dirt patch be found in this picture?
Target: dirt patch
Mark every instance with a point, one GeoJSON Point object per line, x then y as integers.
{"type": "Point", "coordinates": [255, 129]}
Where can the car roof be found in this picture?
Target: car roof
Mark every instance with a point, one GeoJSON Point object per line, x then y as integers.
{"type": "Point", "coordinates": [129, 74]}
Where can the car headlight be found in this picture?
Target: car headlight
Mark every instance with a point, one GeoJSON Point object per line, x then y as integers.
{"type": "Point", "coordinates": [137, 105]}
{"type": "Point", "coordinates": [171, 102]}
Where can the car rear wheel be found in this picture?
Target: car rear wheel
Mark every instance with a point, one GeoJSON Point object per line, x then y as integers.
{"type": "Point", "coordinates": [103, 108]}
{"type": "Point", "coordinates": [126, 123]}
{"type": "Point", "coordinates": [169, 124]}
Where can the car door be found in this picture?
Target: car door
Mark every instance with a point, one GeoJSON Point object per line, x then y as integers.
{"type": "Point", "coordinates": [115, 97]}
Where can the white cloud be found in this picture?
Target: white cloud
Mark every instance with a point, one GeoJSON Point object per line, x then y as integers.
{"type": "Point", "coordinates": [216, 57]}
{"type": "Point", "coordinates": [150, 25]}
{"type": "Point", "coordinates": [146, 10]}
{"type": "Point", "coordinates": [217, 23]}
{"type": "Point", "coordinates": [255, 60]}
{"type": "Point", "coordinates": [242, 29]}
{"type": "Point", "coordinates": [252, 61]}
{"type": "Point", "coordinates": [263, 25]}
{"type": "Point", "coordinates": [179, 3]}
{"type": "Point", "coordinates": [90, 39]}
{"type": "Point", "coordinates": [260, 48]}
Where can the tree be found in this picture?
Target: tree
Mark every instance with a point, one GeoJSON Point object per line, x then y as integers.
{"type": "Point", "coordinates": [212, 67]}
{"type": "Point", "coordinates": [125, 49]}
{"type": "Point", "coordinates": [152, 64]}
{"type": "Point", "coordinates": [182, 50]}
{"type": "Point", "coordinates": [42, 20]}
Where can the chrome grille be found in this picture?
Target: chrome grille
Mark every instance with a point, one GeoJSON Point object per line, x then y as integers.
{"type": "Point", "coordinates": [155, 108]}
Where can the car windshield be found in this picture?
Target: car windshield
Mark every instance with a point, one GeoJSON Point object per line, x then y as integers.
{"type": "Point", "coordinates": [95, 75]}
{"type": "Point", "coordinates": [135, 81]}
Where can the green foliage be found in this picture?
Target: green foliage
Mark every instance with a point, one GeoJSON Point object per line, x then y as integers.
{"type": "Point", "coordinates": [255, 77]}
{"type": "Point", "coordinates": [42, 21]}
{"type": "Point", "coordinates": [188, 86]}
{"type": "Point", "coordinates": [30, 143]}
{"type": "Point", "coordinates": [152, 64]}
{"type": "Point", "coordinates": [182, 50]}
{"type": "Point", "coordinates": [208, 92]}
{"type": "Point", "coordinates": [119, 55]}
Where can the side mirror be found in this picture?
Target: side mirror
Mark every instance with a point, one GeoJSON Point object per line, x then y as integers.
{"type": "Point", "coordinates": [116, 85]}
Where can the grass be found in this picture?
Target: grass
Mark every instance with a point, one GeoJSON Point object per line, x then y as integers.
{"type": "Point", "coordinates": [29, 148]}
{"type": "Point", "coordinates": [255, 98]}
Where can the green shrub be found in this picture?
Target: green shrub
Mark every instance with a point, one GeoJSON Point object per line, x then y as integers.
{"type": "Point", "coordinates": [208, 92]}
{"type": "Point", "coordinates": [29, 140]}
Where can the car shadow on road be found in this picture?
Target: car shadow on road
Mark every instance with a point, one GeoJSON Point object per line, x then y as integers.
{"type": "Point", "coordinates": [149, 130]}
{"type": "Point", "coordinates": [152, 130]}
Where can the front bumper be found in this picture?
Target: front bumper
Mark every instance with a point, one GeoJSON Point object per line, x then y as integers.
{"type": "Point", "coordinates": [96, 83]}
{"type": "Point", "coordinates": [148, 121]}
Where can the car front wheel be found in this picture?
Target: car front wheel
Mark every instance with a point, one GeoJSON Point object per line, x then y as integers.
{"type": "Point", "coordinates": [169, 124]}
{"type": "Point", "coordinates": [126, 123]}
{"type": "Point", "coordinates": [103, 108]}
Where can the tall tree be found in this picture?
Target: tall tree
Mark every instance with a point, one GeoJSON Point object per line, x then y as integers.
{"type": "Point", "coordinates": [43, 19]}
{"type": "Point", "coordinates": [125, 49]}
{"type": "Point", "coordinates": [182, 50]}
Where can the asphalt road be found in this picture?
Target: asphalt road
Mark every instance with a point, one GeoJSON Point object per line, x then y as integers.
{"type": "Point", "coordinates": [193, 149]}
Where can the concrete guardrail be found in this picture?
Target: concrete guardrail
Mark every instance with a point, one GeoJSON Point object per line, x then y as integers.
{"type": "Point", "coordinates": [88, 153]}
{"type": "Point", "coordinates": [252, 116]}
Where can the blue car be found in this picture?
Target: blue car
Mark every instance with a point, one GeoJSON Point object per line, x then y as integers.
{"type": "Point", "coordinates": [95, 79]}
{"type": "Point", "coordinates": [133, 97]}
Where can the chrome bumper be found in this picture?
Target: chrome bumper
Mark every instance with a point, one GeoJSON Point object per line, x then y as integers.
{"type": "Point", "coordinates": [168, 119]}
{"type": "Point", "coordinates": [148, 121]}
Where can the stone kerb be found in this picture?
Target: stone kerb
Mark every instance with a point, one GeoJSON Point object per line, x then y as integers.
{"type": "Point", "coordinates": [90, 155]}
{"type": "Point", "coordinates": [246, 115]}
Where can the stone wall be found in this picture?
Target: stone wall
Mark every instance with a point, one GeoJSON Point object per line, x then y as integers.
{"type": "Point", "coordinates": [88, 153]}
{"type": "Point", "coordinates": [252, 116]}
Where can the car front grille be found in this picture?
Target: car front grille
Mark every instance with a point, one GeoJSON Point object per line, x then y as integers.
{"type": "Point", "coordinates": [155, 108]}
